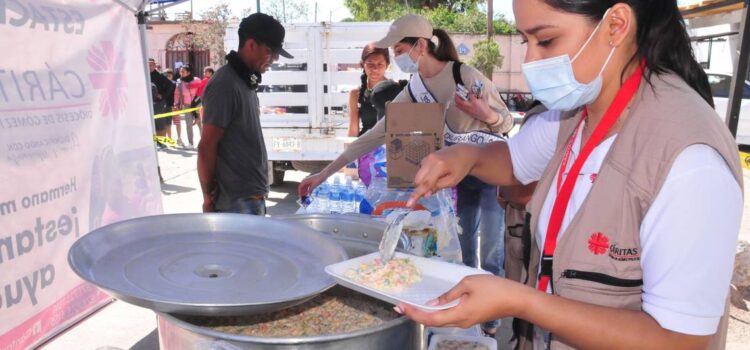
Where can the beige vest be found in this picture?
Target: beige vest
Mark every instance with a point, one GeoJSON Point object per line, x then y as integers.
{"type": "Point", "coordinates": [665, 117]}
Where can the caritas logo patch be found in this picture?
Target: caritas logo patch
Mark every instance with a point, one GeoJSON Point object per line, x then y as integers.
{"type": "Point", "coordinates": [598, 243]}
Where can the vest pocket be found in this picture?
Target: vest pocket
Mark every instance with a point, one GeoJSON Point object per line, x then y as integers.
{"type": "Point", "coordinates": [602, 278]}
{"type": "Point", "coordinates": [600, 289]}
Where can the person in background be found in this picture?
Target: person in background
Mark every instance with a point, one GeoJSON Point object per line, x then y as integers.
{"type": "Point", "coordinates": [232, 158]}
{"type": "Point", "coordinates": [514, 199]}
{"type": "Point", "coordinates": [637, 209]}
{"type": "Point", "coordinates": [374, 63]}
{"type": "Point", "coordinates": [186, 96]}
{"type": "Point", "coordinates": [208, 72]}
{"type": "Point", "coordinates": [169, 73]}
{"type": "Point", "coordinates": [436, 73]}
{"type": "Point", "coordinates": [161, 99]}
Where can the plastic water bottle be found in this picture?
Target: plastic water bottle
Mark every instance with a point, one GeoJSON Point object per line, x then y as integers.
{"type": "Point", "coordinates": [323, 199]}
{"type": "Point", "coordinates": [359, 196]}
{"type": "Point", "coordinates": [347, 196]}
{"type": "Point", "coordinates": [335, 196]}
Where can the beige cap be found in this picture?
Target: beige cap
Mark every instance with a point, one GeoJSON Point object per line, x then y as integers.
{"type": "Point", "coordinates": [406, 26]}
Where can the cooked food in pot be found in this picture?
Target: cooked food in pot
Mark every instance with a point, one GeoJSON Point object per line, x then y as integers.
{"type": "Point", "coordinates": [460, 345]}
{"type": "Point", "coordinates": [394, 275]}
{"type": "Point", "coordinates": [335, 311]}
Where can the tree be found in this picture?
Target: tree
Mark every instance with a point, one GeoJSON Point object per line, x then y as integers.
{"type": "Point", "coordinates": [208, 33]}
{"type": "Point", "coordinates": [453, 16]}
{"type": "Point", "coordinates": [387, 10]}
{"type": "Point", "coordinates": [285, 11]}
{"type": "Point", "coordinates": [502, 25]}
{"type": "Point", "coordinates": [486, 57]}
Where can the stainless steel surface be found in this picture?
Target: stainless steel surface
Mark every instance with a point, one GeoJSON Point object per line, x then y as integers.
{"type": "Point", "coordinates": [207, 264]}
{"type": "Point", "coordinates": [358, 234]}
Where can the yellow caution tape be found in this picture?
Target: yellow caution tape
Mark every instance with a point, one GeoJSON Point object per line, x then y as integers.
{"type": "Point", "coordinates": [170, 114]}
{"type": "Point", "coordinates": [166, 141]}
{"type": "Point", "coordinates": [745, 160]}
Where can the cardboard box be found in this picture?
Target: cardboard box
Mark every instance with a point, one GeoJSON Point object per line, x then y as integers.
{"type": "Point", "coordinates": [412, 131]}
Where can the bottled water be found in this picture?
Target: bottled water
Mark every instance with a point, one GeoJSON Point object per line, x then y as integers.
{"type": "Point", "coordinates": [359, 196]}
{"type": "Point", "coordinates": [322, 199]}
{"type": "Point", "coordinates": [335, 196]}
{"type": "Point", "coordinates": [347, 196]}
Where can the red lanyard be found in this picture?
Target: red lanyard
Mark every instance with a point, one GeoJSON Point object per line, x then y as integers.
{"type": "Point", "coordinates": [565, 191]}
{"type": "Point", "coordinates": [569, 151]}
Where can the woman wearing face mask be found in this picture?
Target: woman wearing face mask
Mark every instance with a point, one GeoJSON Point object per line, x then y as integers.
{"type": "Point", "coordinates": [635, 217]}
{"type": "Point", "coordinates": [436, 72]}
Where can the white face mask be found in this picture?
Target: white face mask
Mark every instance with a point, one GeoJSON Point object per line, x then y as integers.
{"type": "Point", "coordinates": [553, 82]}
{"type": "Point", "coordinates": [405, 63]}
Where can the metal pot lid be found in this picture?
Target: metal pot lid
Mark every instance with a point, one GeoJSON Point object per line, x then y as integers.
{"type": "Point", "coordinates": [207, 264]}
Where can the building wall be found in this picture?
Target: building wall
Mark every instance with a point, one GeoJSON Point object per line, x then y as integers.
{"type": "Point", "coordinates": [509, 77]}
{"type": "Point", "coordinates": [158, 34]}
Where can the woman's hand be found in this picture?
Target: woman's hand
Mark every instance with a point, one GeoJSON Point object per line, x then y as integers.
{"type": "Point", "coordinates": [444, 168]}
{"type": "Point", "coordinates": [482, 298]}
{"type": "Point", "coordinates": [309, 184]}
{"type": "Point", "coordinates": [477, 107]}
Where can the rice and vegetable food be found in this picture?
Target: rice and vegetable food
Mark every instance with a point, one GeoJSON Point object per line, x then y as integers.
{"type": "Point", "coordinates": [460, 345]}
{"type": "Point", "coordinates": [335, 311]}
{"type": "Point", "coordinates": [394, 275]}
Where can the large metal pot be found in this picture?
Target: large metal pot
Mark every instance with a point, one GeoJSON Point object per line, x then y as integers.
{"type": "Point", "coordinates": [176, 334]}
{"type": "Point", "coordinates": [359, 235]}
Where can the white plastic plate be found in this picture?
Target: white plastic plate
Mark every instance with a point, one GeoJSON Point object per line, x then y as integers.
{"type": "Point", "coordinates": [437, 278]}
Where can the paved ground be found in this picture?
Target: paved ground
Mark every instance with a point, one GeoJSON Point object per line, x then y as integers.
{"type": "Point", "coordinates": [121, 326]}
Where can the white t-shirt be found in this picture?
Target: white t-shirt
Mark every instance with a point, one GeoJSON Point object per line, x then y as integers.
{"type": "Point", "coordinates": [688, 236]}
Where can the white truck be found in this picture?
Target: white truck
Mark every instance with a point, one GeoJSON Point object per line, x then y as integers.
{"type": "Point", "coordinates": [304, 100]}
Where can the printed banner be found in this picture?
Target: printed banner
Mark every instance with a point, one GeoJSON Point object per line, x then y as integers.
{"type": "Point", "coordinates": [76, 153]}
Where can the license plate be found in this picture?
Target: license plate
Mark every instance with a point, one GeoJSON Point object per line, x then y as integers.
{"type": "Point", "coordinates": [287, 144]}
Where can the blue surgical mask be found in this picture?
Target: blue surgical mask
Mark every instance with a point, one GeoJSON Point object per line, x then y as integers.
{"type": "Point", "coordinates": [553, 82]}
{"type": "Point", "coordinates": [405, 63]}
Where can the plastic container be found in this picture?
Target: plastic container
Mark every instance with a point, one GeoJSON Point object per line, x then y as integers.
{"type": "Point", "coordinates": [335, 196]}
{"type": "Point", "coordinates": [359, 196]}
{"type": "Point", "coordinates": [347, 196]}
{"type": "Point", "coordinates": [323, 204]}
{"type": "Point", "coordinates": [461, 342]}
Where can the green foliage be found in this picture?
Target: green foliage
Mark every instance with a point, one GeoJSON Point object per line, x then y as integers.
{"type": "Point", "coordinates": [452, 16]}
{"type": "Point", "coordinates": [388, 10]}
{"type": "Point", "coordinates": [486, 57]}
{"type": "Point", "coordinates": [502, 25]}
{"type": "Point", "coordinates": [375, 10]}
{"type": "Point", "coordinates": [470, 21]}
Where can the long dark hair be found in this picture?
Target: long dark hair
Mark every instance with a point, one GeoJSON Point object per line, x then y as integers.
{"type": "Point", "coordinates": [662, 38]}
{"type": "Point", "coordinates": [189, 77]}
{"type": "Point", "coordinates": [444, 51]}
{"type": "Point", "coordinates": [368, 51]}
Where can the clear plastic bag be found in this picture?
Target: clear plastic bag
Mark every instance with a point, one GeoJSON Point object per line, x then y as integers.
{"type": "Point", "coordinates": [433, 234]}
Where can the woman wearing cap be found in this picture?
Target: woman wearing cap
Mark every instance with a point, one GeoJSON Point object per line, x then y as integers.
{"type": "Point", "coordinates": [436, 72]}
{"type": "Point", "coordinates": [635, 218]}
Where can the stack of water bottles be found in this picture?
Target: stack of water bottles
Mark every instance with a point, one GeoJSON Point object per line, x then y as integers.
{"type": "Point", "coordinates": [335, 197]}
